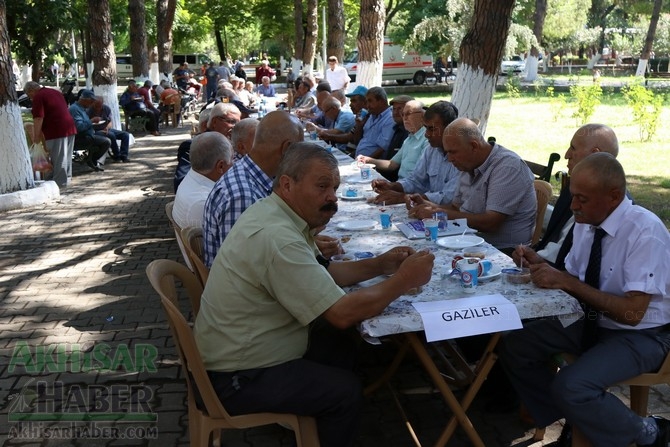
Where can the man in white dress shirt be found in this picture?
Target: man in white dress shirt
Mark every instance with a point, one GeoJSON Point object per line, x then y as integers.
{"type": "Point", "coordinates": [337, 75]}
{"type": "Point", "coordinates": [211, 157]}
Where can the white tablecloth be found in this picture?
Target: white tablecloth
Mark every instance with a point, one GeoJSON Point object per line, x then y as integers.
{"type": "Point", "coordinates": [400, 316]}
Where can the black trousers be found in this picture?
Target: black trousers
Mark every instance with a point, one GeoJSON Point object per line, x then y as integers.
{"type": "Point", "coordinates": [321, 385]}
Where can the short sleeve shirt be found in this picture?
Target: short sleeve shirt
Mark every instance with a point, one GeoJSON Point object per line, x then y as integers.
{"type": "Point", "coordinates": [264, 289]}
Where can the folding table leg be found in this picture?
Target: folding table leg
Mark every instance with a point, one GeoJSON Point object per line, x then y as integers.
{"type": "Point", "coordinates": [390, 371]}
{"type": "Point", "coordinates": [452, 402]}
{"type": "Point", "coordinates": [482, 371]}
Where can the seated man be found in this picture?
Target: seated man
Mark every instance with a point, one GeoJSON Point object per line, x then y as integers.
{"type": "Point", "coordinates": [133, 105]}
{"type": "Point", "coordinates": [273, 315]}
{"type": "Point", "coordinates": [557, 240]}
{"type": "Point", "coordinates": [223, 118]}
{"type": "Point", "coordinates": [181, 76]}
{"type": "Point", "coordinates": [341, 121]}
{"type": "Point", "coordinates": [145, 92]}
{"type": "Point", "coordinates": [249, 180]}
{"type": "Point", "coordinates": [617, 269]}
{"type": "Point", "coordinates": [433, 176]}
{"type": "Point", "coordinates": [357, 103]}
{"type": "Point", "coordinates": [242, 137]}
{"type": "Point", "coordinates": [104, 115]}
{"type": "Point", "coordinates": [211, 155]}
{"type": "Point", "coordinates": [496, 192]}
{"type": "Point", "coordinates": [399, 131]}
{"type": "Point", "coordinates": [378, 129]}
{"type": "Point", "coordinates": [266, 89]}
{"type": "Point", "coordinates": [404, 161]}
{"type": "Point", "coordinates": [184, 151]}
{"type": "Point", "coordinates": [314, 114]}
{"type": "Point", "coordinates": [303, 98]}
{"type": "Point", "coordinates": [96, 145]}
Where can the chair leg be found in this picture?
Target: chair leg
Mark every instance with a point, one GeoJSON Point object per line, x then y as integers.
{"type": "Point", "coordinates": [639, 398]}
{"type": "Point", "coordinates": [306, 434]}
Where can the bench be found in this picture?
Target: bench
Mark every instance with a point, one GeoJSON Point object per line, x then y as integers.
{"type": "Point", "coordinates": [541, 172]}
{"type": "Point", "coordinates": [655, 75]}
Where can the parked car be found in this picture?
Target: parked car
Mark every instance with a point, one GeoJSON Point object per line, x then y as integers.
{"type": "Point", "coordinates": [514, 64]}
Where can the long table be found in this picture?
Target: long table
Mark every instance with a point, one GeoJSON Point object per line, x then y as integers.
{"type": "Point", "coordinates": [401, 320]}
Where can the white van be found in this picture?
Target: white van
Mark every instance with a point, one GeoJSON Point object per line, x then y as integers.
{"type": "Point", "coordinates": [124, 65]}
{"type": "Point", "coordinates": [398, 66]}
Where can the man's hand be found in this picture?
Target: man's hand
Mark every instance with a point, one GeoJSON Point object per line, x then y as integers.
{"type": "Point", "coordinates": [392, 259]}
{"type": "Point", "coordinates": [379, 185]}
{"type": "Point", "coordinates": [328, 246]}
{"type": "Point", "coordinates": [417, 269]}
{"type": "Point", "coordinates": [420, 208]}
{"type": "Point", "coordinates": [528, 255]}
{"type": "Point", "coordinates": [363, 159]}
{"type": "Point", "coordinates": [388, 197]}
{"type": "Point", "coordinates": [545, 276]}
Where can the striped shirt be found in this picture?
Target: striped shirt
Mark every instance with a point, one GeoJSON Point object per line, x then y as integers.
{"type": "Point", "coordinates": [234, 192]}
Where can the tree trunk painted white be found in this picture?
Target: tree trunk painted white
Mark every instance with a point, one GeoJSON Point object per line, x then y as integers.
{"type": "Point", "coordinates": [473, 93]}
{"type": "Point", "coordinates": [306, 69]}
{"type": "Point", "coordinates": [108, 94]}
{"type": "Point", "coordinates": [89, 78]}
{"type": "Point", "coordinates": [593, 61]}
{"type": "Point", "coordinates": [154, 73]}
{"type": "Point", "coordinates": [641, 67]}
{"type": "Point", "coordinates": [16, 173]}
{"type": "Point", "coordinates": [531, 68]}
{"type": "Point", "coordinates": [296, 65]}
{"type": "Point", "coordinates": [369, 74]}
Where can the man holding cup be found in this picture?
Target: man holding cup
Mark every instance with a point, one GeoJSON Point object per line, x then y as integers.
{"type": "Point", "coordinates": [273, 315]}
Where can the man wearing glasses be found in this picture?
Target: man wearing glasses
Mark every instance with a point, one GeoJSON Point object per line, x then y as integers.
{"type": "Point", "coordinates": [223, 118]}
{"type": "Point", "coordinates": [337, 75]}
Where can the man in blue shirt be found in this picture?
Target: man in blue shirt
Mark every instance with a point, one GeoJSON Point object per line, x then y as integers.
{"type": "Point", "coordinates": [266, 89]}
{"type": "Point", "coordinates": [433, 176]}
{"type": "Point", "coordinates": [378, 129]}
{"type": "Point", "coordinates": [96, 145]}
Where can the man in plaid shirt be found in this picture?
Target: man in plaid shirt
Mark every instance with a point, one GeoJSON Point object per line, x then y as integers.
{"type": "Point", "coordinates": [249, 180]}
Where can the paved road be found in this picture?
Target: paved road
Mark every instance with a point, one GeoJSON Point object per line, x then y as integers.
{"type": "Point", "coordinates": [72, 282]}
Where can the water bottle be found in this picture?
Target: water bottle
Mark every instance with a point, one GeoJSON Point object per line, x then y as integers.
{"type": "Point", "coordinates": [261, 109]}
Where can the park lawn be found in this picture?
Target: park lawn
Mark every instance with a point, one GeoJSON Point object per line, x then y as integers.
{"type": "Point", "coordinates": [535, 126]}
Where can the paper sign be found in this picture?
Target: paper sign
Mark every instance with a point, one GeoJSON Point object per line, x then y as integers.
{"type": "Point", "coordinates": [463, 317]}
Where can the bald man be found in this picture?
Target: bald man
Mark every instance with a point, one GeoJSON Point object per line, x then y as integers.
{"type": "Point", "coordinates": [626, 329]}
{"type": "Point", "coordinates": [249, 180]}
{"type": "Point", "coordinates": [495, 193]}
{"type": "Point", "coordinates": [557, 240]}
{"type": "Point", "coordinates": [243, 137]}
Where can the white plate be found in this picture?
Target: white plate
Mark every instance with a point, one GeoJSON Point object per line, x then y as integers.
{"type": "Point", "coordinates": [493, 273]}
{"type": "Point", "coordinates": [357, 225]}
{"type": "Point", "coordinates": [360, 195]}
{"type": "Point", "coordinates": [456, 242]}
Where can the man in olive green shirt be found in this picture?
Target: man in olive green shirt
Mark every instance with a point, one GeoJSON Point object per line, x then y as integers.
{"type": "Point", "coordinates": [268, 286]}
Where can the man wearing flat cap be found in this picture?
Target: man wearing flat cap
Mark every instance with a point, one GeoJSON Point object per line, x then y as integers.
{"type": "Point", "coordinates": [96, 145]}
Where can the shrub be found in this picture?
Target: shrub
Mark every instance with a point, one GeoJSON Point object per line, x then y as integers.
{"type": "Point", "coordinates": [587, 98]}
{"type": "Point", "coordinates": [646, 108]}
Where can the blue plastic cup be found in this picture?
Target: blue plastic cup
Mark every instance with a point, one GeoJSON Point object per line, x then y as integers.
{"type": "Point", "coordinates": [385, 220]}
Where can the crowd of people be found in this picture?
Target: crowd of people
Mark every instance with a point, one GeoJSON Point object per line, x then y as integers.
{"type": "Point", "coordinates": [275, 314]}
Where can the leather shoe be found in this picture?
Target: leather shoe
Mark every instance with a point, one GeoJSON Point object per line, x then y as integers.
{"type": "Point", "coordinates": [125, 159]}
{"type": "Point", "coordinates": [93, 165]}
{"type": "Point", "coordinates": [663, 436]}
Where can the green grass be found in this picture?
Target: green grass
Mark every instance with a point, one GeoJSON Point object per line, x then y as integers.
{"type": "Point", "coordinates": [529, 125]}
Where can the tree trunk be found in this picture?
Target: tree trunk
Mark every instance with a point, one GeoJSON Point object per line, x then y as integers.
{"type": "Point", "coordinates": [165, 10]}
{"type": "Point", "coordinates": [104, 58]}
{"type": "Point", "coordinates": [138, 38]}
{"type": "Point", "coordinates": [220, 47]}
{"type": "Point", "coordinates": [538, 28]}
{"type": "Point", "coordinates": [481, 53]}
{"type": "Point", "coordinates": [335, 42]}
{"type": "Point", "coordinates": [15, 168]}
{"type": "Point", "coordinates": [299, 36]}
{"type": "Point", "coordinates": [649, 41]}
{"type": "Point", "coordinates": [371, 43]}
{"type": "Point", "coordinates": [311, 34]}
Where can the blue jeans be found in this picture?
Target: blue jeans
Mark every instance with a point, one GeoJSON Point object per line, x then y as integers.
{"type": "Point", "coordinates": [578, 392]}
{"type": "Point", "coordinates": [114, 135]}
